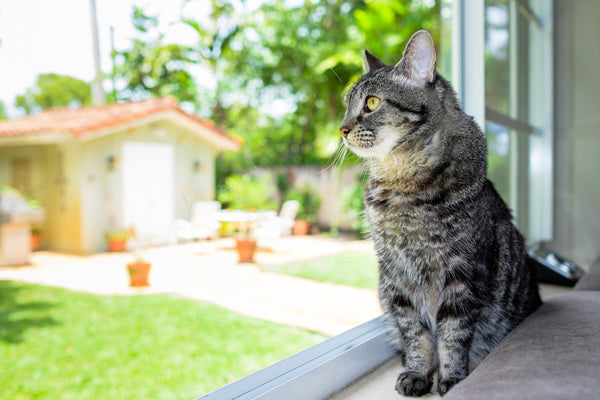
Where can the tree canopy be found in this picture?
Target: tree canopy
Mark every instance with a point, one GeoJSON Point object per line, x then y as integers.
{"type": "Point", "coordinates": [2, 111]}
{"type": "Point", "coordinates": [151, 67]}
{"type": "Point", "coordinates": [281, 69]}
{"type": "Point", "coordinates": [53, 90]}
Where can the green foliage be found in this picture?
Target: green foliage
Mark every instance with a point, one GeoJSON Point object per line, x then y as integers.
{"type": "Point", "coordinates": [354, 208]}
{"type": "Point", "coordinates": [309, 201]}
{"type": "Point", "coordinates": [498, 170]}
{"type": "Point", "coordinates": [152, 68]}
{"type": "Point", "coordinates": [282, 181]}
{"type": "Point", "coordinates": [56, 343]}
{"type": "Point", "coordinates": [385, 26]}
{"type": "Point", "coordinates": [119, 234]}
{"type": "Point", "coordinates": [53, 90]}
{"type": "Point", "coordinates": [304, 57]}
{"type": "Point", "coordinates": [2, 111]}
{"type": "Point", "coordinates": [352, 269]}
{"type": "Point", "coordinates": [243, 192]}
{"type": "Point", "coordinates": [31, 201]}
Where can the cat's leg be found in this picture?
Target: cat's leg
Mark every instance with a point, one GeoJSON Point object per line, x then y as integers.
{"type": "Point", "coordinates": [414, 341]}
{"type": "Point", "coordinates": [454, 328]}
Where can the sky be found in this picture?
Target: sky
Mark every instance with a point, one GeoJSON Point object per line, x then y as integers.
{"type": "Point", "coordinates": [55, 36]}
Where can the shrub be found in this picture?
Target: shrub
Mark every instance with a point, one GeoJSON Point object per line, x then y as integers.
{"type": "Point", "coordinates": [243, 192]}
{"type": "Point", "coordinates": [354, 209]}
{"type": "Point", "coordinates": [309, 201]}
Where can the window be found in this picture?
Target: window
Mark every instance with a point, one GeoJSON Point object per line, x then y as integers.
{"type": "Point", "coordinates": [518, 89]}
{"type": "Point", "coordinates": [504, 48]}
{"type": "Point", "coordinates": [498, 56]}
{"type": "Point", "coordinates": [21, 174]}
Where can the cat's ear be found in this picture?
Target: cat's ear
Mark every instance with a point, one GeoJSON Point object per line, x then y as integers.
{"type": "Point", "coordinates": [418, 60]}
{"type": "Point", "coordinates": [371, 63]}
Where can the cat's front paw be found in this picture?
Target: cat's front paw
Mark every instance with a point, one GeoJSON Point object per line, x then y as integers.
{"type": "Point", "coordinates": [413, 384]}
{"type": "Point", "coordinates": [446, 384]}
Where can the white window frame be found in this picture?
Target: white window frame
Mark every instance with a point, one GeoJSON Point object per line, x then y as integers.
{"type": "Point", "coordinates": [317, 372]}
{"type": "Point", "coordinates": [541, 144]}
{"type": "Point", "coordinates": [468, 77]}
{"type": "Point", "coordinates": [324, 369]}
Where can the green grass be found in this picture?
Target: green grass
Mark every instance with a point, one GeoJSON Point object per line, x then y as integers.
{"type": "Point", "coordinates": [352, 269]}
{"type": "Point", "coordinates": [59, 344]}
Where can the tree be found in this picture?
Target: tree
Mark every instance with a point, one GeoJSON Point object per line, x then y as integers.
{"type": "Point", "coordinates": [2, 111]}
{"type": "Point", "coordinates": [275, 53]}
{"type": "Point", "coordinates": [302, 56]}
{"type": "Point", "coordinates": [269, 56]}
{"type": "Point", "coordinates": [53, 90]}
{"type": "Point", "coordinates": [151, 67]}
{"type": "Point", "coordinates": [214, 52]}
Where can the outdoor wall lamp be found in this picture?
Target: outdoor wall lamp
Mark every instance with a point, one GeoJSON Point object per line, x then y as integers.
{"type": "Point", "coordinates": [112, 162]}
{"type": "Point", "coordinates": [199, 167]}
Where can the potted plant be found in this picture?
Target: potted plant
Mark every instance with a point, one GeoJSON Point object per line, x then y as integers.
{"type": "Point", "coordinates": [35, 237]}
{"type": "Point", "coordinates": [245, 243]}
{"type": "Point", "coordinates": [139, 268]}
{"type": "Point", "coordinates": [309, 201]}
{"type": "Point", "coordinates": [243, 192]}
{"type": "Point", "coordinates": [117, 239]}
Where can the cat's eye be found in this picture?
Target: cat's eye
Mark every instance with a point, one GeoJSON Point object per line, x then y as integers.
{"type": "Point", "coordinates": [372, 103]}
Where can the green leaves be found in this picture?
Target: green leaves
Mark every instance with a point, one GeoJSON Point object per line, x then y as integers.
{"type": "Point", "coordinates": [244, 192]}
{"type": "Point", "coordinates": [153, 68]}
{"type": "Point", "coordinates": [53, 90]}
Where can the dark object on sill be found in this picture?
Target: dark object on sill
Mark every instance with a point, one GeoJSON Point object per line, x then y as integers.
{"type": "Point", "coordinates": [554, 269]}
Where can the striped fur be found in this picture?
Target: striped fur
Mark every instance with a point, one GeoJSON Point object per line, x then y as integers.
{"type": "Point", "coordinates": [453, 273]}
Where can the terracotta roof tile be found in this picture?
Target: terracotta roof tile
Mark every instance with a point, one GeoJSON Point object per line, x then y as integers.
{"type": "Point", "coordinates": [90, 118]}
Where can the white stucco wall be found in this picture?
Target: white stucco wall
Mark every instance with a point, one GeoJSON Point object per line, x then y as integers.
{"type": "Point", "coordinates": [101, 185]}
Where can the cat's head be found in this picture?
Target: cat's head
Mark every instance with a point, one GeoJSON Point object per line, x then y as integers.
{"type": "Point", "coordinates": [393, 107]}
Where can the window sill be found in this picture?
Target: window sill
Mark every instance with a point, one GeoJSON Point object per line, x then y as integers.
{"type": "Point", "coordinates": [356, 364]}
{"type": "Point", "coordinates": [317, 372]}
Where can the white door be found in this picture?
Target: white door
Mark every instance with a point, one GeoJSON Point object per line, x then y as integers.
{"type": "Point", "coordinates": [148, 190]}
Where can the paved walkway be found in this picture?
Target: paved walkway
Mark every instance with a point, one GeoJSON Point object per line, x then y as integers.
{"type": "Point", "coordinates": [209, 271]}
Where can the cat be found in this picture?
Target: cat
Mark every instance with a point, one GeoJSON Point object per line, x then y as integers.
{"type": "Point", "coordinates": [454, 278]}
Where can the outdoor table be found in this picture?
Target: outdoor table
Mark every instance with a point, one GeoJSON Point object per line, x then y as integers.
{"type": "Point", "coordinates": [245, 220]}
{"type": "Point", "coordinates": [244, 216]}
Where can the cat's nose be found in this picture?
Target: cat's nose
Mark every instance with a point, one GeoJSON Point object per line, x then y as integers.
{"type": "Point", "coordinates": [344, 130]}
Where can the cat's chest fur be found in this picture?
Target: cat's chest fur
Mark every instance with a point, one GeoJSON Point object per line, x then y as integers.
{"type": "Point", "coordinates": [414, 243]}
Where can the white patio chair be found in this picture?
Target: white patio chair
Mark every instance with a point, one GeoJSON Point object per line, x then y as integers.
{"type": "Point", "coordinates": [203, 223]}
{"type": "Point", "coordinates": [279, 225]}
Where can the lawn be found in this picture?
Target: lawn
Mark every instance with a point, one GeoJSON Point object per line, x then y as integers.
{"type": "Point", "coordinates": [352, 269]}
{"type": "Point", "coordinates": [59, 344]}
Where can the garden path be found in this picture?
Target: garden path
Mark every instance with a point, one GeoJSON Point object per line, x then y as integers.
{"type": "Point", "coordinates": [209, 271]}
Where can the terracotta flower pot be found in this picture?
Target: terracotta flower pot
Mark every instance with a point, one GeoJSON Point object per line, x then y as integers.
{"type": "Point", "coordinates": [36, 241]}
{"type": "Point", "coordinates": [117, 245]}
{"type": "Point", "coordinates": [138, 273]}
{"type": "Point", "coordinates": [245, 249]}
{"type": "Point", "coordinates": [300, 228]}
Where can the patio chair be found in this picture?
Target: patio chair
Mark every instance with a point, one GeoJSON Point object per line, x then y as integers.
{"type": "Point", "coordinates": [203, 224]}
{"type": "Point", "coordinates": [279, 225]}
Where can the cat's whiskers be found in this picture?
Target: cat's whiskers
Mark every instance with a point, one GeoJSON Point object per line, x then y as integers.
{"type": "Point", "coordinates": [336, 161]}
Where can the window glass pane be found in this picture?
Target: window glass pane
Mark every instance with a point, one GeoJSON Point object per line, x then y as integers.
{"type": "Point", "coordinates": [497, 54]}
{"type": "Point", "coordinates": [498, 140]}
{"type": "Point", "coordinates": [444, 57]}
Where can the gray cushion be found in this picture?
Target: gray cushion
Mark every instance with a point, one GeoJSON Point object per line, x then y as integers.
{"type": "Point", "coordinates": [591, 279]}
{"type": "Point", "coordinates": [553, 354]}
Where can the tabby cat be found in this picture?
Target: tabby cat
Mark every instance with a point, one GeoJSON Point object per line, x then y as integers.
{"type": "Point", "coordinates": [454, 278]}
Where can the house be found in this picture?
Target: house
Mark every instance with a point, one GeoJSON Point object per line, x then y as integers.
{"type": "Point", "coordinates": [115, 166]}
